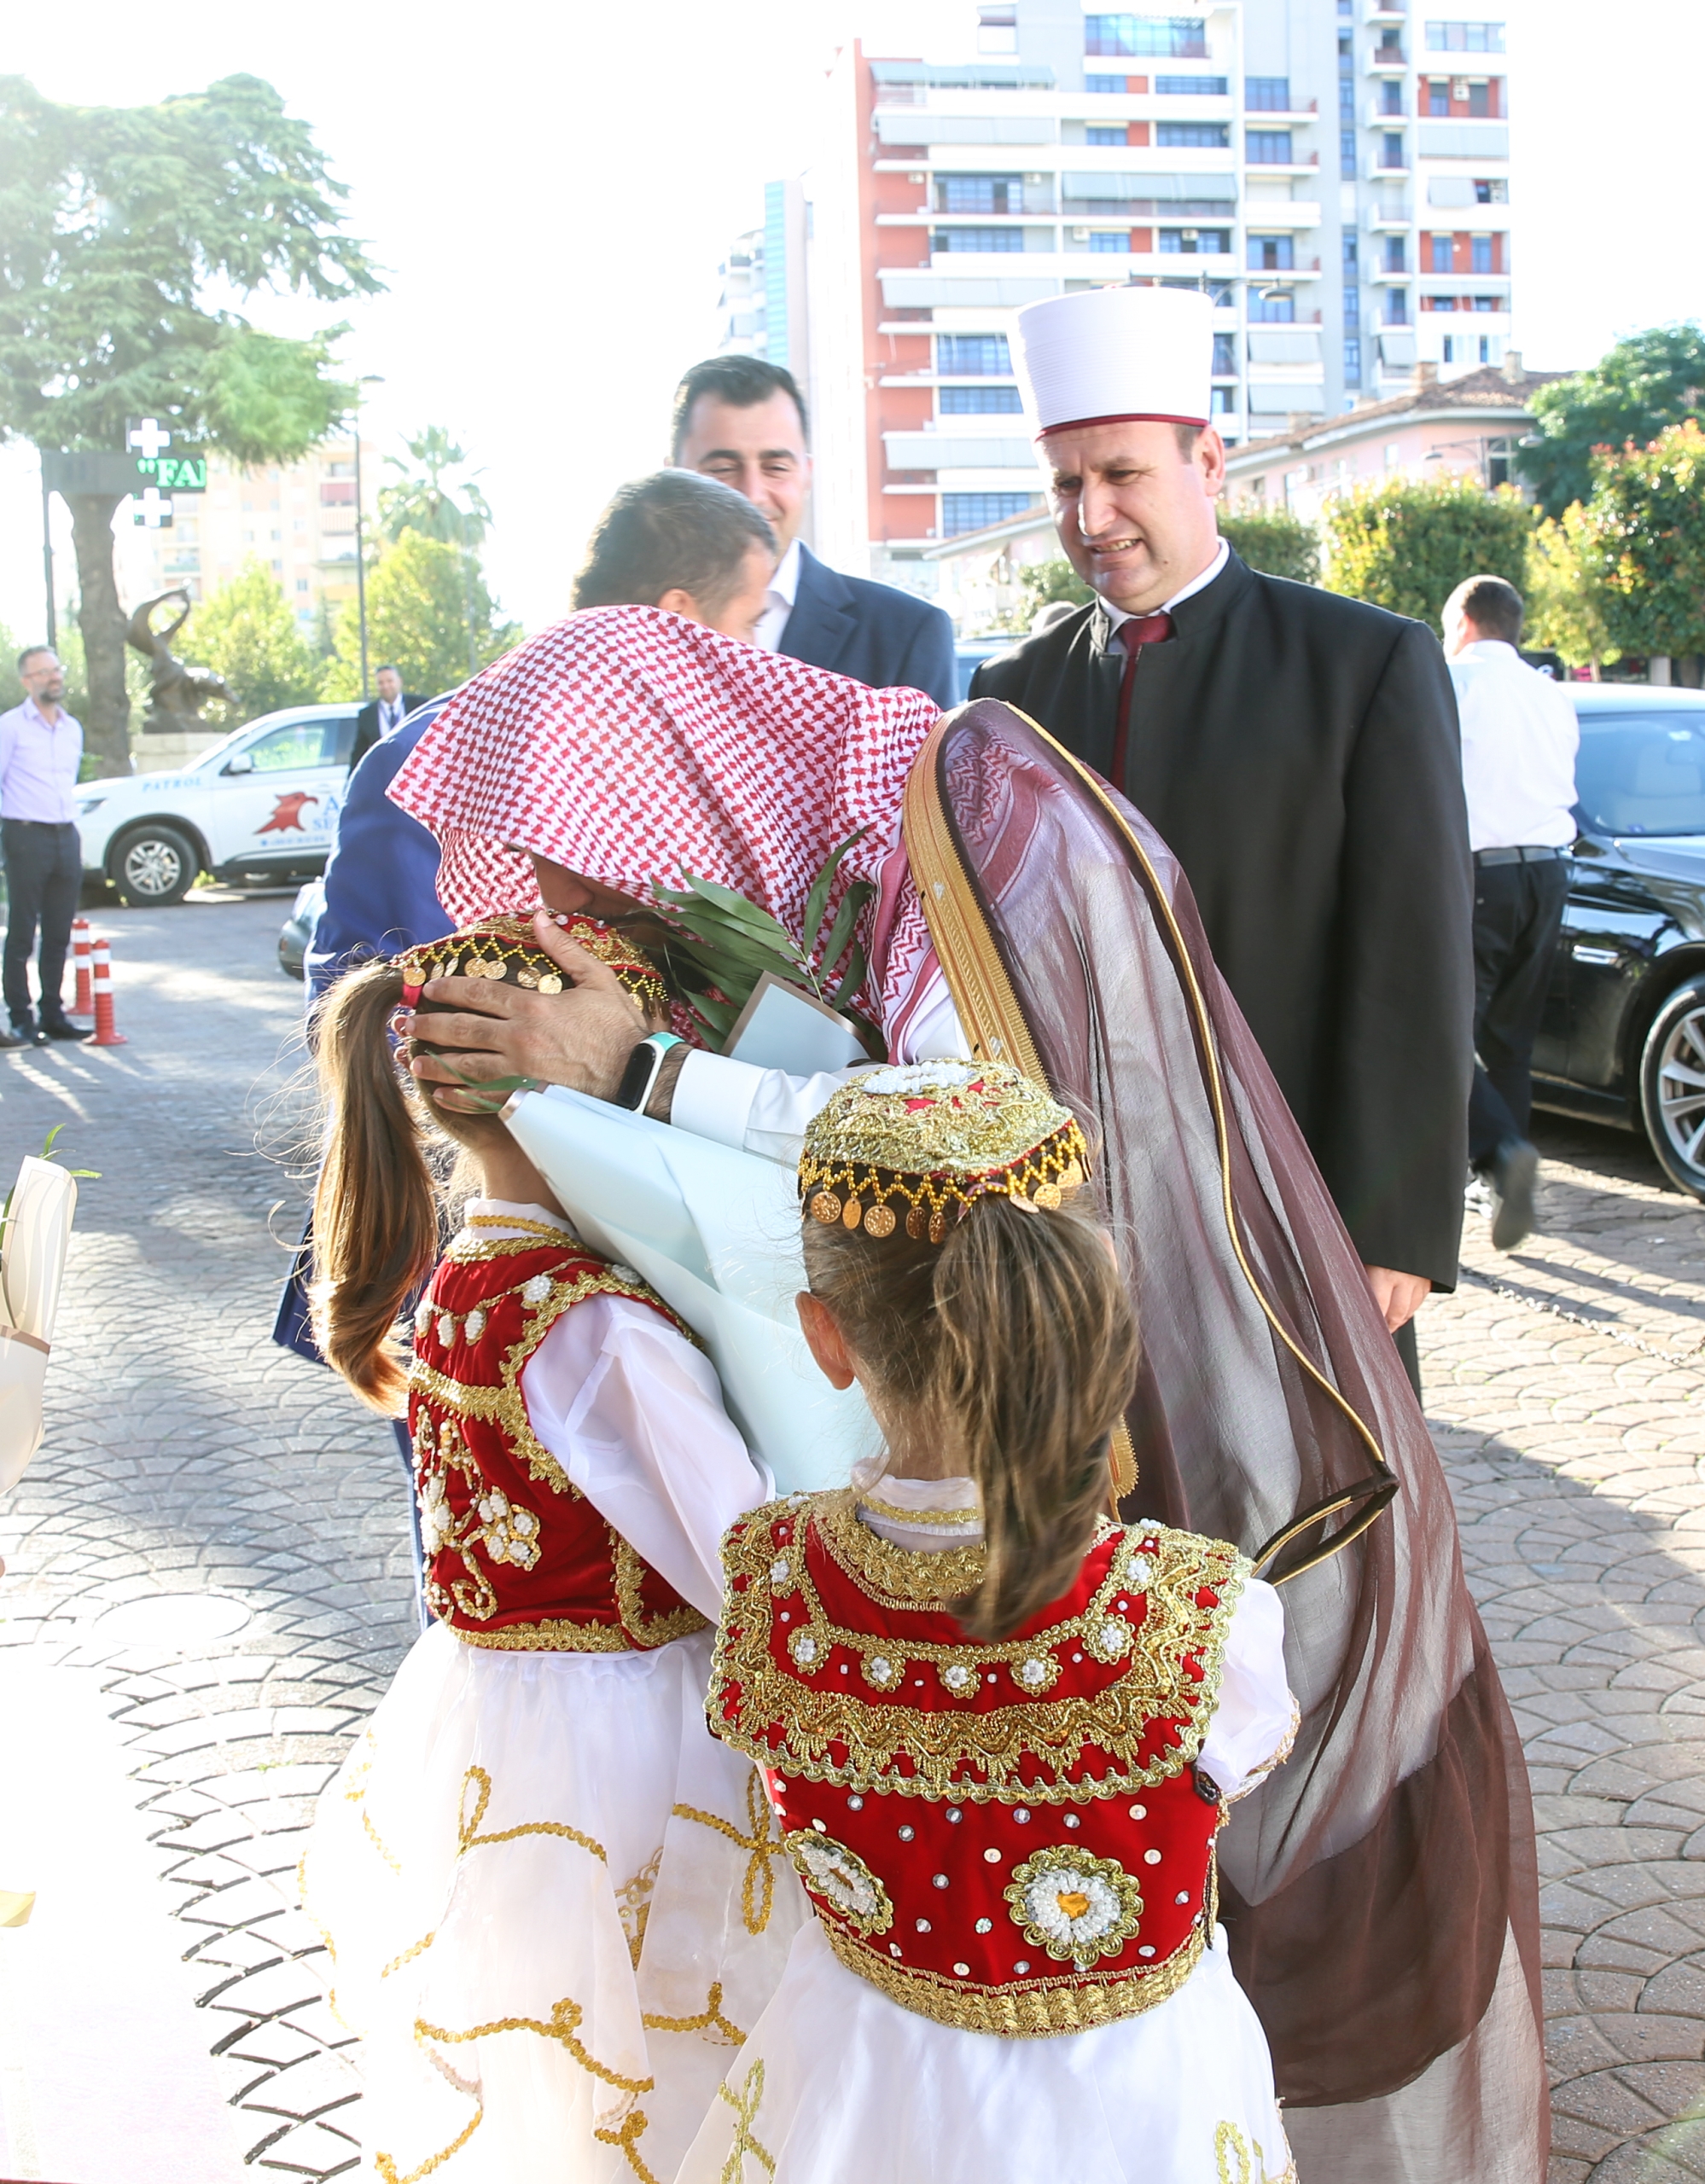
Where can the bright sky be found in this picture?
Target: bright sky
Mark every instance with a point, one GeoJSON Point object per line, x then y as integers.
{"type": "Point", "coordinates": [549, 192]}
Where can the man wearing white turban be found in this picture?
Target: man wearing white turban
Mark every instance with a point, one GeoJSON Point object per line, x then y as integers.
{"type": "Point", "coordinates": [1297, 751]}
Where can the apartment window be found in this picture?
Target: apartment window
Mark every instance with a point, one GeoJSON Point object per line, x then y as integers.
{"type": "Point", "coordinates": [1196, 242]}
{"type": "Point", "coordinates": [1480, 257]}
{"type": "Point", "coordinates": [1271, 310]}
{"type": "Point", "coordinates": [1391, 150]}
{"type": "Point", "coordinates": [972, 355]}
{"type": "Point", "coordinates": [1226, 355]}
{"type": "Point", "coordinates": [978, 401]}
{"type": "Point", "coordinates": [977, 239]}
{"type": "Point", "coordinates": [1438, 97]}
{"type": "Point", "coordinates": [1497, 452]}
{"type": "Point", "coordinates": [964, 512]}
{"type": "Point", "coordinates": [1271, 253]}
{"type": "Point", "coordinates": [1441, 259]}
{"type": "Point", "coordinates": [301, 583]}
{"type": "Point", "coordinates": [1391, 95]}
{"type": "Point", "coordinates": [1105, 86]}
{"type": "Point", "coordinates": [1191, 87]}
{"type": "Point", "coordinates": [1106, 239]}
{"type": "Point", "coordinates": [1465, 37]}
{"type": "Point", "coordinates": [1193, 136]}
{"type": "Point", "coordinates": [1396, 258]}
{"type": "Point", "coordinates": [1448, 350]}
{"type": "Point", "coordinates": [979, 193]}
{"type": "Point", "coordinates": [1442, 303]}
{"type": "Point", "coordinates": [1485, 358]}
{"type": "Point", "coordinates": [1267, 94]}
{"type": "Point", "coordinates": [1396, 307]}
{"type": "Point", "coordinates": [1494, 192]}
{"type": "Point", "coordinates": [1488, 302]}
{"type": "Point", "coordinates": [1352, 360]}
{"type": "Point", "coordinates": [1268, 147]}
{"type": "Point", "coordinates": [1346, 153]}
{"type": "Point", "coordinates": [1105, 136]}
{"type": "Point", "coordinates": [1166, 38]}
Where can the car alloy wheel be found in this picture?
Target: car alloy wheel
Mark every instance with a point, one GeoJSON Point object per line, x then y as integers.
{"type": "Point", "coordinates": [156, 866]}
{"type": "Point", "coordinates": [1672, 1087]}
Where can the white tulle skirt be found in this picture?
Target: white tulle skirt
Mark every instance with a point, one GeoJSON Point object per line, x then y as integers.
{"type": "Point", "coordinates": [839, 2085]}
{"type": "Point", "coordinates": [555, 1903]}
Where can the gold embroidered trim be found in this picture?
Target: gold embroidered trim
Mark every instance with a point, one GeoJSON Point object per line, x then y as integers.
{"type": "Point", "coordinates": [1252, 2163]}
{"type": "Point", "coordinates": [468, 1836]}
{"type": "Point", "coordinates": [386, 2168]}
{"type": "Point", "coordinates": [1254, 1781]}
{"type": "Point", "coordinates": [409, 1954]}
{"type": "Point", "coordinates": [1076, 1907]}
{"type": "Point", "coordinates": [894, 1576]}
{"type": "Point", "coordinates": [550, 1638]}
{"type": "Point", "coordinates": [746, 2104]}
{"type": "Point", "coordinates": [708, 2019]}
{"type": "Point", "coordinates": [1012, 1754]}
{"type": "Point", "coordinates": [648, 1631]}
{"type": "Point", "coordinates": [634, 2126]}
{"type": "Point", "coordinates": [921, 1519]}
{"type": "Point", "coordinates": [1027, 2009]}
{"type": "Point", "coordinates": [758, 1887]}
{"type": "Point", "coordinates": [633, 1904]}
{"type": "Point", "coordinates": [831, 1870]}
{"type": "Point", "coordinates": [561, 2026]}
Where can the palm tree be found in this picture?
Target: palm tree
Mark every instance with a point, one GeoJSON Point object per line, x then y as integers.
{"type": "Point", "coordinates": [422, 501]}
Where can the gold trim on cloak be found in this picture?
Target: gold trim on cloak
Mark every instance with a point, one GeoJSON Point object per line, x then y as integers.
{"type": "Point", "coordinates": [989, 1010]}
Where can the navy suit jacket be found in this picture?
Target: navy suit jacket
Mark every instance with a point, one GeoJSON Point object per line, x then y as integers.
{"type": "Point", "coordinates": [870, 631]}
{"type": "Point", "coordinates": [382, 882]}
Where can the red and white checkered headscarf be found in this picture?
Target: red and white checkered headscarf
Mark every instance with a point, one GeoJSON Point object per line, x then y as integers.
{"type": "Point", "coordinates": [626, 743]}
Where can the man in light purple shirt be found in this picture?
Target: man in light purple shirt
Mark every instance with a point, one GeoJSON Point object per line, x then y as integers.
{"type": "Point", "coordinates": [41, 746]}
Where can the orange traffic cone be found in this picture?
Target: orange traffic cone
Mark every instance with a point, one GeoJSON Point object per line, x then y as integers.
{"type": "Point", "coordinates": [83, 1005]}
{"type": "Point", "coordinates": [105, 1035]}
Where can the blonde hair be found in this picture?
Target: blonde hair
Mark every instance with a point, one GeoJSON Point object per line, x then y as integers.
{"type": "Point", "coordinates": [1014, 1343]}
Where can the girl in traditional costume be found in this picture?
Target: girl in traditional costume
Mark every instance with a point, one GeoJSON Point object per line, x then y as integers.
{"type": "Point", "coordinates": [1000, 1731]}
{"type": "Point", "coordinates": [551, 1898]}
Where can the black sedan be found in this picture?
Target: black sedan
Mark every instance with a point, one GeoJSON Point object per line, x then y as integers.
{"type": "Point", "coordinates": [1623, 1039]}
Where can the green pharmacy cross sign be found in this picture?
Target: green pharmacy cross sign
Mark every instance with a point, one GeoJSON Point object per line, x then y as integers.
{"type": "Point", "coordinates": [146, 471]}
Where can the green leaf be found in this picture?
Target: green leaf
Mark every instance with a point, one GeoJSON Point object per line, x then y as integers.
{"type": "Point", "coordinates": [854, 979]}
{"type": "Point", "coordinates": [846, 918]}
{"type": "Point", "coordinates": [818, 901]}
{"type": "Point", "coordinates": [735, 906]}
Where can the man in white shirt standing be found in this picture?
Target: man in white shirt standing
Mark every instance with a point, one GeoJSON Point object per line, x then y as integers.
{"type": "Point", "coordinates": [41, 747]}
{"type": "Point", "coordinates": [1518, 739]}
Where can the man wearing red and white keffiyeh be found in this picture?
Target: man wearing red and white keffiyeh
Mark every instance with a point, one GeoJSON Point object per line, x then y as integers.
{"type": "Point", "coordinates": [624, 745]}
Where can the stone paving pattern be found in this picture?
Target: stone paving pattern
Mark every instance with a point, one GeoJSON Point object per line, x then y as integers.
{"type": "Point", "coordinates": [186, 1455]}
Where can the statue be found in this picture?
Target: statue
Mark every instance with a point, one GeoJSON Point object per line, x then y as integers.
{"type": "Point", "coordinates": [179, 692]}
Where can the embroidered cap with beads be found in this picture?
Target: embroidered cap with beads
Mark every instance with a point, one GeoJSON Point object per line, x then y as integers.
{"type": "Point", "coordinates": [507, 950]}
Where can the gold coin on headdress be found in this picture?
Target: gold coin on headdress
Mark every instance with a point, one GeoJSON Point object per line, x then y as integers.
{"type": "Point", "coordinates": [854, 1213]}
{"type": "Point", "coordinates": [1073, 1176]}
{"type": "Point", "coordinates": [414, 972]}
{"type": "Point", "coordinates": [448, 968]}
{"type": "Point", "coordinates": [879, 1222]}
{"type": "Point", "coordinates": [918, 1223]}
{"type": "Point", "coordinates": [550, 983]}
{"type": "Point", "coordinates": [526, 978]}
{"type": "Point", "coordinates": [1047, 1195]}
{"type": "Point", "coordinates": [825, 1207]}
{"type": "Point", "coordinates": [937, 1226]}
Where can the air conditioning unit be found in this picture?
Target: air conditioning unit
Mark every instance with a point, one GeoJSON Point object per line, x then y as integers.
{"type": "Point", "coordinates": [920, 177]}
{"type": "Point", "coordinates": [1080, 234]}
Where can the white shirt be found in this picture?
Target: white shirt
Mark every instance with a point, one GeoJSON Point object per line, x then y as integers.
{"type": "Point", "coordinates": [1520, 735]}
{"type": "Point", "coordinates": [390, 715]}
{"type": "Point", "coordinates": [779, 596]}
{"type": "Point", "coordinates": [38, 764]}
{"type": "Point", "coordinates": [633, 1413]}
{"type": "Point", "coordinates": [1116, 615]}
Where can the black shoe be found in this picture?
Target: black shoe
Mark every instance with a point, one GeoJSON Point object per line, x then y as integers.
{"type": "Point", "coordinates": [24, 1033]}
{"type": "Point", "coordinates": [1512, 1176]}
{"type": "Point", "coordinates": [14, 1039]}
{"type": "Point", "coordinates": [63, 1028]}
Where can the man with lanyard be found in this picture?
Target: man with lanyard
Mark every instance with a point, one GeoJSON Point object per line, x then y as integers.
{"type": "Point", "coordinates": [41, 746]}
{"type": "Point", "coordinates": [1298, 752]}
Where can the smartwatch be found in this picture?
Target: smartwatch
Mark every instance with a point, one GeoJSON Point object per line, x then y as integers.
{"type": "Point", "coordinates": [640, 1076]}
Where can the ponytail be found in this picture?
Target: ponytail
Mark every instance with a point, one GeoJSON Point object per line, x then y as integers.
{"type": "Point", "coordinates": [1013, 1342]}
{"type": "Point", "coordinates": [376, 1230]}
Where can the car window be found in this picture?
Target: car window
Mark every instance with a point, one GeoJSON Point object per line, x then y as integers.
{"type": "Point", "coordinates": [295, 744]}
{"type": "Point", "coordinates": [1642, 773]}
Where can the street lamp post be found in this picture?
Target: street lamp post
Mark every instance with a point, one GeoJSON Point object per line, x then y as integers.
{"type": "Point", "coordinates": [368, 379]}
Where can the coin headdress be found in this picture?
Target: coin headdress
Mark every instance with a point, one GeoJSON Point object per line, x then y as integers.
{"type": "Point", "coordinates": [507, 949]}
{"type": "Point", "coordinates": [924, 1141]}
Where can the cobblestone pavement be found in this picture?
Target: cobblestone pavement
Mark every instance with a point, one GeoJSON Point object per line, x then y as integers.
{"type": "Point", "coordinates": [218, 1536]}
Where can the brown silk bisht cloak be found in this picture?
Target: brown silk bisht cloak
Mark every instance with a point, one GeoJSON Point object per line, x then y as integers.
{"type": "Point", "coordinates": [1380, 1888]}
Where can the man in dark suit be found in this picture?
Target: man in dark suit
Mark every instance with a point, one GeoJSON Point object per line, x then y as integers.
{"type": "Point", "coordinates": [1299, 753]}
{"type": "Point", "coordinates": [384, 715]}
{"type": "Point", "coordinates": [743, 420]}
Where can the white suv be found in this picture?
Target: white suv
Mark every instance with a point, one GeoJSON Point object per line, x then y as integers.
{"type": "Point", "coordinates": [262, 805]}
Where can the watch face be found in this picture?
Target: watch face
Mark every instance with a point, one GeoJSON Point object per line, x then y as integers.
{"type": "Point", "coordinates": [636, 1078]}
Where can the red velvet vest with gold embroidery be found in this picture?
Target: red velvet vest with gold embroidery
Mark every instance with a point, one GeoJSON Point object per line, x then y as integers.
{"type": "Point", "coordinates": [516, 1556]}
{"type": "Point", "coordinates": [1010, 1837]}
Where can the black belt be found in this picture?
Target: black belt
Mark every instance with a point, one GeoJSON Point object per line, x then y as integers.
{"type": "Point", "coordinates": [1517, 857]}
{"type": "Point", "coordinates": [48, 826]}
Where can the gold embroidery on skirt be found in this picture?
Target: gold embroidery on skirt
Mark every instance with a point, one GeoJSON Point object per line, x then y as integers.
{"type": "Point", "coordinates": [633, 1904]}
{"type": "Point", "coordinates": [467, 1829]}
{"type": "Point", "coordinates": [762, 1839]}
{"type": "Point", "coordinates": [746, 2104]}
{"type": "Point", "coordinates": [710, 2018]}
{"type": "Point", "coordinates": [634, 2126]}
{"type": "Point", "coordinates": [1252, 2163]}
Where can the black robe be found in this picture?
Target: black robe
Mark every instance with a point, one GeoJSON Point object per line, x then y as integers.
{"type": "Point", "coordinates": [1299, 753]}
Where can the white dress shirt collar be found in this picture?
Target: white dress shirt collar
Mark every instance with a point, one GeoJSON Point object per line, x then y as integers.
{"type": "Point", "coordinates": [1117, 615]}
{"type": "Point", "coordinates": [779, 596]}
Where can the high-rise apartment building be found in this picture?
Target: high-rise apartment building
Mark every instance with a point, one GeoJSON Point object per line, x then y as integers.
{"type": "Point", "coordinates": [1335, 173]}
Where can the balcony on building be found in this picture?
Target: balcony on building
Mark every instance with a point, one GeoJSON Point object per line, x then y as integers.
{"type": "Point", "coordinates": [1272, 94]}
{"type": "Point", "coordinates": [1383, 14]}
{"type": "Point", "coordinates": [1388, 58]}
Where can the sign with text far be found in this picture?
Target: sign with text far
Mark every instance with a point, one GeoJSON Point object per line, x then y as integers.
{"type": "Point", "coordinates": [94, 471]}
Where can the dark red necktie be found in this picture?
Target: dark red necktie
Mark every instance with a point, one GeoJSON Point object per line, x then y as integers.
{"type": "Point", "coordinates": [1142, 629]}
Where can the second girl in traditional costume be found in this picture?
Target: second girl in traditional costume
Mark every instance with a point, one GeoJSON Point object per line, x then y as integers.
{"type": "Point", "coordinates": [552, 1899]}
{"type": "Point", "coordinates": [1000, 1731]}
